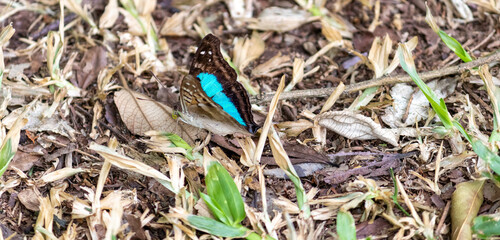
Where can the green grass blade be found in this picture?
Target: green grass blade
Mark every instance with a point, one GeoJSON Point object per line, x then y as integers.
{"type": "Point", "coordinates": [438, 105]}
{"type": "Point", "coordinates": [6, 155]}
{"type": "Point", "coordinates": [215, 209]}
{"type": "Point", "coordinates": [455, 46]}
{"type": "Point", "coordinates": [487, 155]}
{"type": "Point", "coordinates": [215, 227]}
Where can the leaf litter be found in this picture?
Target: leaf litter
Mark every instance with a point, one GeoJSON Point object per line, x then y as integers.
{"type": "Point", "coordinates": [75, 78]}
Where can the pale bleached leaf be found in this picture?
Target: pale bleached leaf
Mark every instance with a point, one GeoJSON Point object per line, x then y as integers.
{"type": "Point", "coordinates": [37, 122]}
{"type": "Point", "coordinates": [268, 68]}
{"type": "Point", "coordinates": [248, 49]}
{"type": "Point", "coordinates": [419, 105]}
{"type": "Point", "coordinates": [174, 26]}
{"type": "Point", "coordinates": [110, 15]}
{"type": "Point", "coordinates": [142, 114]}
{"type": "Point", "coordinates": [280, 19]}
{"type": "Point", "coordinates": [355, 126]}
{"type": "Point", "coordinates": [61, 174]}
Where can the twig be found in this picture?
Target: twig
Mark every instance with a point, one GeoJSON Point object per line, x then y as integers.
{"type": "Point", "coordinates": [112, 129]}
{"type": "Point", "coordinates": [401, 78]}
{"type": "Point", "coordinates": [443, 217]}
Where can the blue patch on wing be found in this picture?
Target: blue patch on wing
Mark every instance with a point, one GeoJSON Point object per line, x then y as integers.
{"type": "Point", "coordinates": [213, 89]}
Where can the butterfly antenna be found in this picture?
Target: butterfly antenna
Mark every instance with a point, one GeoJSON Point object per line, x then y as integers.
{"type": "Point", "coordinates": [157, 80]}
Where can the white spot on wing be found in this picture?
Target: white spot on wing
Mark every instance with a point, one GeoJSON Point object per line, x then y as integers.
{"type": "Point", "coordinates": [202, 52]}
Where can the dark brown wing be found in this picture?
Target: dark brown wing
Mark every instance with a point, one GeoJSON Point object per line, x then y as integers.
{"type": "Point", "coordinates": [200, 110]}
{"type": "Point", "coordinates": [209, 59]}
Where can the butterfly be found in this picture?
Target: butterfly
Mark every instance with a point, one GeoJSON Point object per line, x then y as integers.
{"type": "Point", "coordinates": [211, 97]}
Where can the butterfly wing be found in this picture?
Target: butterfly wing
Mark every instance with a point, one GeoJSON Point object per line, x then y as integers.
{"type": "Point", "coordinates": [200, 110]}
{"type": "Point", "coordinates": [209, 59]}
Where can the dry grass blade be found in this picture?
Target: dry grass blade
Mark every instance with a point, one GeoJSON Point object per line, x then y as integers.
{"type": "Point", "coordinates": [355, 126]}
{"type": "Point", "coordinates": [298, 73]}
{"type": "Point", "coordinates": [142, 114]}
{"type": "Point", "coordinates": [333, 97]}
{"type": "Point", "coordinates": [268, 122]}
{"type": "Point", "coordinates": [5, 35]}
{"type": "Point", "coordinates": [127, 163]}
{"type": "Point", "coordinates": [61, 174]}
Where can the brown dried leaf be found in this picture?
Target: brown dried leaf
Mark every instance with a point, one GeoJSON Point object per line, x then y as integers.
{"type": "Point", "coordinates": [30, 199]}
{"type": "Point", "coordinates": [142, 114]}
{"type": "Point", "coordinates": [465, 204]}
{"type": "Point", "coordinates": [355, 126]}
{"type": "Point", "coordinates": [24, 161]}
{"type": "Point", "coordinates": [94, 60]}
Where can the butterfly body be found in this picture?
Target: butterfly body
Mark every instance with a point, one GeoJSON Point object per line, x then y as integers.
{"type": "Point", "coordinates": [211, 98]}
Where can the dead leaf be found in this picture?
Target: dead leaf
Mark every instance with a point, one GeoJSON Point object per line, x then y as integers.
{"type": "Point", "coordinates": [280, 19]}
{"type": "Point", "coordinates": [419, 105]}
{"type": "Point", "coordinates": [94, 60]}
{"type": "Point", "coordinates": [355, 126]}
{"type": "Point", "coordinates": [269, 67]}
{"type": "Point", "coordinates": [142, 114]}
{"type": "Point", "coordinates": [30, 199]}
{"type": "Point", "coordinates": [465, 204]}
{"type": "Point", "coordinates": [36, 122]}
{"type": "Point", "coordinates": [24, 161]}
{"type": "Point", "coordinates": [293, 129]}
{"type": "Point", "coordinates": [248, 49]}
{"type": "Point", "coordinates": [110, 15]}
{"type": "Point", "coordinates": [174, 26]}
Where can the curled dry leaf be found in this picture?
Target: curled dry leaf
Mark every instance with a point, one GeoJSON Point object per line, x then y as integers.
{"type": "Point", "coordinates": [268, 68]}
{"type": "Point", "coordinates": [248, 49]}
{"type": "Point", "coordinates": [355, 126]}
{"type": "Point", "coordinates": [174, 26]}
{"type": "Point", "coordinates": [293, 129]}
{"type": "Point", "coordinates": [134, 27]}
{"type": "Point", "coordinates": [419, 105]}
{"type": "Point", "coordinates": [141, 114]}
{"type": "Point", "coordinates": [110, 15]}
{"type": "Point", "coordinates": [330, 33]}
{"type": "Point", "coordinates": [487, 5]}
{"type": "Point", "coordinates": [280, 19]}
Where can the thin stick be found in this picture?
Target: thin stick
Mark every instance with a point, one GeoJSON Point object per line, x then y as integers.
{"type": "Point", "coordinates": [443, 217]}
{"type": "Point", "coordinates": [402, 78]}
